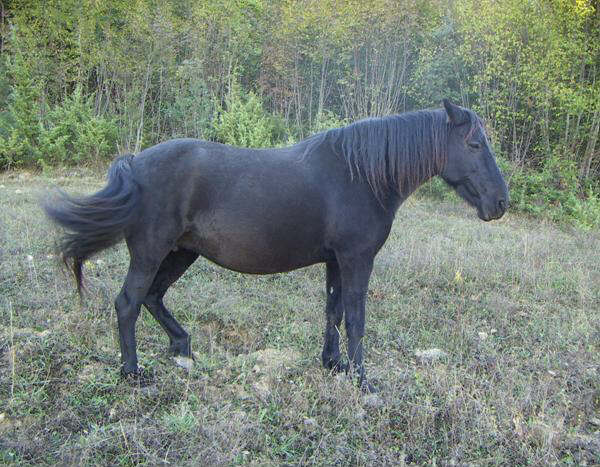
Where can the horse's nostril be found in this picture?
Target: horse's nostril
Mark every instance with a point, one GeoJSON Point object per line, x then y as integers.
{"type": "Point", "coordinates": [502, 205]}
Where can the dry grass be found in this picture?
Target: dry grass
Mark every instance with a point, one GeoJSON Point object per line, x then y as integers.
{"type": "Point", "coordinates": [513, 304]}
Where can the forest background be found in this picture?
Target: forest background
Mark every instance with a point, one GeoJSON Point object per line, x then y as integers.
{"type": "Point", "coordinates": [84, 80]}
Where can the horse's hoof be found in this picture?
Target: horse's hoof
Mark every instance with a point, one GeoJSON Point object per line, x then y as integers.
{"type": "Point", "coordinates": [367, 388]}
{"type": "Point", "coordinates": [138, 378]}
{"type": "Point", "coordinates": [181, 348]}
{"type": "Point", "coordinates": [358, 375]}
{"type": "Point", "coordinates": [184, 362]}
{"type": "Point", "coordinates": [335, 365]}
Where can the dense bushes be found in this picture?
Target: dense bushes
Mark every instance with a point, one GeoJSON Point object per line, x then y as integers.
{"type": "Point", "coordinates": [554, 191]}
{"type": "Point", "coordinates": [72, 133]}
{"type": "Point", "coordinates": [68, 133]}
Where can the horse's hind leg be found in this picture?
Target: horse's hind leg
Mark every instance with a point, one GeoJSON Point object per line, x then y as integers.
{"type": "Point", "coordinates": [171, 269]}
{"type": "Point", "coordinates": [334, 312]}
{"type": "Point", "coordinates": [127, 305]}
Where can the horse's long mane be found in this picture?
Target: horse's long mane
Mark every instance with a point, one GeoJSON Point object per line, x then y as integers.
{"type": "Point", "coordinates": [395, 153]}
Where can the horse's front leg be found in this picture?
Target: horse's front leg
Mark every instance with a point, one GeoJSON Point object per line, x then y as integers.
{"type": "Point", "coordinates": [334, 311]}
{"type": "Point", "coordinates": [355, 274]}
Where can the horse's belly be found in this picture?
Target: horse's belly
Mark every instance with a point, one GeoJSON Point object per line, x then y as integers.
{"type": "Point", "coordinates": [256, 249]}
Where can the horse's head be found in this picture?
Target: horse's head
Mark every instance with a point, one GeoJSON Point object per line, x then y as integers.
{"type": "Point", "coordinates": [470, 167]}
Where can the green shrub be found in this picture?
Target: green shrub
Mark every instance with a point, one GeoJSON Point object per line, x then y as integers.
{"type": "Point", "coordinates": [437, 189]}
{"type": "Point", "coordinates": [325, 120]}
{"type": "Point", "coordinates": [67, 134]}
{"type": "Point", "coordinates": [189, 112]}
{"type": "Point", "coordinates": [20, 126]}
{"type": "Point", "coordinates": [553, 191]}
{"type": "Point", "coordinates": [243, 121]}
{"type": "Point", "coordinates": [73, 133]}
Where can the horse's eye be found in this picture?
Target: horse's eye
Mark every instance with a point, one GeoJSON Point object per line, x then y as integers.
{"type": "Point", "coordinates": [474, 145]}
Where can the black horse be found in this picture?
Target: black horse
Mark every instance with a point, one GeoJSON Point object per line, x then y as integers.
{"type": "Point", "coordinates": [329, 199]}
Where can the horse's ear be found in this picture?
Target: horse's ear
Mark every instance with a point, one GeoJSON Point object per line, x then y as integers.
{"type": "Point", "coordinates": [456, 114]}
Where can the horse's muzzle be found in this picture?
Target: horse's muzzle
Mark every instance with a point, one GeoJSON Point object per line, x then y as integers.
{"type": "Point", "coordinates": [500, 207]}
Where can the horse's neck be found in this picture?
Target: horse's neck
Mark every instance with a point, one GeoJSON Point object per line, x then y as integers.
{"type": "Point", "coordinates": [410, 184]}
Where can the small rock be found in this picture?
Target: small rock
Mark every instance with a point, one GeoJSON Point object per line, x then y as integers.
{"type": "Point", "coordinates": [482, 335]}
{"type": "Point", "coordinates": [552, 373]}
{"type": "Point", "coordinates": [594, 421]}
{"type": "Point", "coordinates": [340, 378]}
{"type": "Point", "coordinates": [18, 192]}
{"type": "Point", "coordinates": [274, 362]}
{"type": "Point", "coordinates": [184, 362]}
{"type": "Point", "coordinates": [150, 390]}
{"type": "Point", "coordinates": [89, 372]}
{"type": "Point", "coordinates": [241, 393]}
{"type": "Point", "coordinates": [430, 355]}
{"type": "Point", "coordinates": [262, 388]}
{"type": "Point", "coordinates": [372, 401]}
{"type": "Point", "coordinates": [29, 258]}
{"type": "Point", "coordinates": [310, 422]}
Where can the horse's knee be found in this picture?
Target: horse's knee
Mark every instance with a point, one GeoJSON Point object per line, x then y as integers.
{"type": "Point", "coordinates": [121, 302]}
{"type": "Point", "coordinates": [125, 307]}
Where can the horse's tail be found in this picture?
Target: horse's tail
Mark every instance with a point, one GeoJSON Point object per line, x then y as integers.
{"type": "Point", "coordinates": [93, 223]}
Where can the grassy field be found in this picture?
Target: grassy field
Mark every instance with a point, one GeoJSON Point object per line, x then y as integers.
{"type": "Point", "coordinates": [514, 306]}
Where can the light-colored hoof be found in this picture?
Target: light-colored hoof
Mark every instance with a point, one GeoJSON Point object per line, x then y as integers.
{"type": "Point", "coordinates": [184, 362]}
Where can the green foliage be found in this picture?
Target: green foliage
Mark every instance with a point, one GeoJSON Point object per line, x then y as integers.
{"type": "Point", "coordinates": [67, 134]}
{"type": "Point", "coordinates": [31, 134]}
{"type": "Point", "coordinates": [159, 70]}
{"type": "Point", "coordinates": [326, 120]}
{"type": "Point", "coordinates": [436, 188]}
{"type": "Point", "coordinates": [531, 70]}
{"type": "Point", "coordinates": [74, 134]}
{"type": "Point", "coordinates": [189, 113]}
{"type": "Point", "coordinates": [243, 120]}
{"type": "Point", "coordinates": [20, 125]}
{"type": "Point", "coordinates": [555, 192]}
